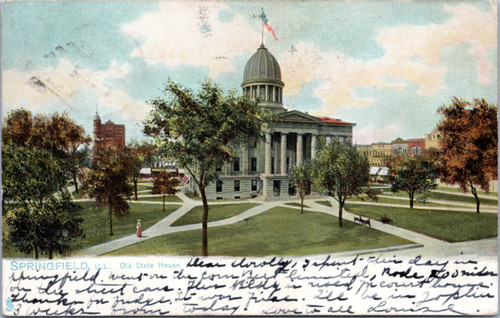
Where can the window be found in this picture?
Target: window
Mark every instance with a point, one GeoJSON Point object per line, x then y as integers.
{"type": "Point", "coordinates": [253, 164]}
{"type": "Point", "coordinates": [236, 185]}
{"type": "Point", "coordinates": [236, 164]}
{"type": "Point", "coordinates": [218, 168]}
{"type": "Point", "coordinates": [254, 185]}
{"type": "Point", "coordinates": [272, 165]}
{"type": "Point", "coordinates": [218, 186]}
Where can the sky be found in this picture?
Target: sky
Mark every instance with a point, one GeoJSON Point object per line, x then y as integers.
{"type": "Point", "coordinates": [386, 66]}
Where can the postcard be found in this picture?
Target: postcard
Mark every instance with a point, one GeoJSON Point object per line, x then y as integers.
{"type": "Point", "coordinates": [254, 158]}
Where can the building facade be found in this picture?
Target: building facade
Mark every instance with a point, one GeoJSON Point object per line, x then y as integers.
{"type": "Point", "coordinates": [262, 168]}
{"type": "Point", "coordinates": [108, 134]}
{"type": "Point", "coordinates": [432, 140]}
{"type": "Point", "coordinates": [416, 146]}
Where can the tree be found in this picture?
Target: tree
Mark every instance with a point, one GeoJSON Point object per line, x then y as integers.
{"type": "Point", "coordinates": [199, 130]}
{"type": "Point", "coordinates": [413, 174]}
{"type": "Point", "coordinates": [468, 139]}
{"type": "Point", "coordinates": [55, 133]}
{"type": "Point", "coordinates": [341, 172]}
{"type": "Point", "coordinates": [142, 154]}
{"type": "Point", "coordinates": [46, 228]}
{"type": "Point", "coordinates": [38, 208]}
{"type": "Point", "coordinates": [164, 183]}
{"type": "Point", "coordinates": [107, 181]}
{"type": "Point", "coordinates": [301, 177]}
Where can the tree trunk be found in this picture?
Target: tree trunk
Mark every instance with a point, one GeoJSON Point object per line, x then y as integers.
{"type": "Point", "coordinates": [204, 222]}
{"type": "Point", "coordinates": [474, 192]}
{"type": "Point", "coordinates": [341, 207]}
{"type": "Point", "coordinates": [135, 188]}
{"type": "Point", "coordinates": [411, 195]}
{"type": "Point", "coordinates": [36, 251]}
{"type": "Point", "coordinates": [51, 253]}
{"type": "Point", "coordinates": [301, 204]}
{"type": "Point", "coordinates": [76, 182]}
{"type": "Point", "coordinates": [110, 219]}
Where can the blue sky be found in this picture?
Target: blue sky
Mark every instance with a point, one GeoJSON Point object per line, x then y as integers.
{"type": "Point", "coordinates": [385, 65]}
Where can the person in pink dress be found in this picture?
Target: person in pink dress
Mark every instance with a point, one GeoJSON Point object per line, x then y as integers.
{"type": "Point", "coordinates": [138, 227]}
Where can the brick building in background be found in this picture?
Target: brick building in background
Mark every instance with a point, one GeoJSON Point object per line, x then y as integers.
{"type": "Point", "coordinates": [108, 133]}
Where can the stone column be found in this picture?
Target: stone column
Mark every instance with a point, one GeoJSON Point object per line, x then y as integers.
{"type": "Point", "coordinates": [267, 167]}
{"type": "Point", "coordinates": [300, 148]}
{"type": "Point", "coordinates": [244, 158]}
{"type": "Point", "coordinates": [328, 139]}
{"type": "Point", "coordinates": [283, 154]}
{"type": "Point", "coordinates": [276, 157]}
{"type": "Point", "coordinates": [314, 144]}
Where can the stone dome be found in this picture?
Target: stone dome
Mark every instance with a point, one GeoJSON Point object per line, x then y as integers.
{"type": "Point", "coordinates": [262, 67]}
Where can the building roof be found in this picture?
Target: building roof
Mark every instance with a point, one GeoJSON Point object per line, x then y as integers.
{"type": "Point", "coordinates": [262, 67]}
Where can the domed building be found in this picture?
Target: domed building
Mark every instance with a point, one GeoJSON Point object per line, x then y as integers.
{"type": "Point", "coordinates": [262, 168]}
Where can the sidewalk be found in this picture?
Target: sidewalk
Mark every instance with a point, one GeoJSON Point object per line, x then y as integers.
{"type": "Point", "coordinates": [460, 207]}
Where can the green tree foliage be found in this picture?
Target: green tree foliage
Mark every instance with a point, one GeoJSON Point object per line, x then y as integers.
{"type": "Point", "coordinates": [341, 172]}
{"type": "Point", "coordinates": [469, 144]}
{"type": "Point", "coordinates": [141, 155]}
{"type": "Point", "coordinates": [164, 183]}
{"type": "Point", "coordinates": [37, 207]}
{"type": "Point", "coordinates": [199, 131]}
{"type": "Point", "coordinates": [107, 181]}
{"type": "Point", "coordinates": [413, 174]}
{"type": "Point", "coordinates": [301, 177]}
{"type": "Point", "coordinates": [56, 133]}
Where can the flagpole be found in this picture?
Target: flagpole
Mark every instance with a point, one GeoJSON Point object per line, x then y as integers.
{"type": "Point", "coordinates": [262, 27]}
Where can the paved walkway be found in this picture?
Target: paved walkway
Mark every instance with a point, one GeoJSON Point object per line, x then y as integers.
{"type": "Point", "coordinates": [467, 194]}
{"type": "Point", "coordinates": [426, 245]}
{"type": "Point", "coordinates": [460, 207]}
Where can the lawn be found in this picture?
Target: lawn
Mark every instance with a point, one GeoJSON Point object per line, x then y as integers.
{"type": "Point", "coordinates": [458, 190]}
{"type": "Point", "coordinates": [159, 198]}
{"type": "Point", "coordinates": [191, 195]}
{"type": "Point", "coordinates": [279, 231]}
{"type": "Point", "coordinates": [296, 204]}
{"type": "Point", "coordinates": [143, 186]}
{"type": "Point", "coordinates": [215, 213]}
{"type": "Point", "coordinates": [448, 197]}
{"type": "Point", "coordinates": [96, 225]}
{"type": "Point", "coordinates": [400, 201]}
{"type": "Point", "coordinates": [451, 226]}
{"type": "Point", "coordinates": [325, 203]}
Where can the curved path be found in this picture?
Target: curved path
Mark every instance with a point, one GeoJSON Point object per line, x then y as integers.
{"type": "Point", "coordinates": [425, 244]}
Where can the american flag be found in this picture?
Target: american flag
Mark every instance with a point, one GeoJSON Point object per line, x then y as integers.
{"type": "Point", "coordinates": [267, 26]}
{"type": "Point", "coordinates": [185, 179]}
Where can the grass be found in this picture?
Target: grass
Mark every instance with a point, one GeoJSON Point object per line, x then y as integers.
{"type": "Point", "coordinates": [143, 186]}
{"type": "Point", "coordinates": [449, 197]}
{"type": "Point", "coordinates": [96, 225]}
{"type": "Point", "coordinates": [326, 203]}
{"type": "Point", "coordinates": [215, 213]}
{"type": "Point", "coordinates": [458, 190]}
{"type": "Point", "coordinates": [400, 201]}
{"type": "Point", "coordinates": [451, 226]}
{"type": "Point", "coordinates": [78, 195]}
{"type": "Point", "coordinates": [279, 231]}
{"type": "Point", "coordinates": [297, 204]}
{"type": "Point", "coordinates": [159, 198]}
{"type": "Point", "coordinates": [191, 195]}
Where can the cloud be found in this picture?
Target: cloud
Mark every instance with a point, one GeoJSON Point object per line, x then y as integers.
{"type": "Point", "coordinates": [189, 33]}
{"type": "Point", "coordinates": [412, 53]}
{"type": "Point", "coordinates": [371, 134]}
{"type": "Point", "coordinates": [63, 83]}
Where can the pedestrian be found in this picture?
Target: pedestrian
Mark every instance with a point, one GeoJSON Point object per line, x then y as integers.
{"type": "Point", "coordinates": [138, 227]}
